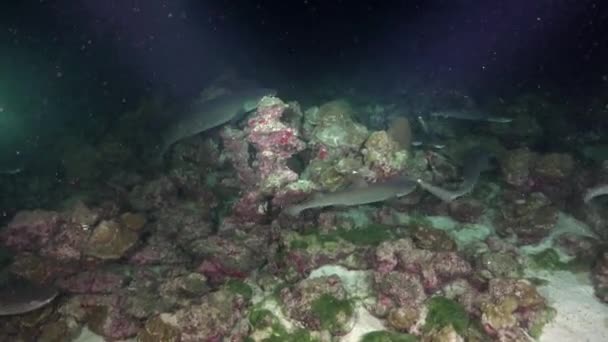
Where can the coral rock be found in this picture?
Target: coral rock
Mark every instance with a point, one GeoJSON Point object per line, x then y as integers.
{"type": "Point", "coordinates": [319, 304]}
{"type": "Point", "coordinates": [530, 218]}
{"type": "Point", "coordinates": [212, 320]}
{"type": "Point", "coordinates": [30, 230]}
{"type": "Point", "coordinates": [516, 166]}
{"type": "Point", "coordinates": [153, 195]}
{"type": "Point", "coordinates": [110, 240]}
{"type": "Point", "coordinates": [383, 155]}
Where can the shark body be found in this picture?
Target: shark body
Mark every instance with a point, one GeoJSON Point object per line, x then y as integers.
{"type": "Point", "coordinates": [474, 162]}
{"type": "Point", "coordinates": [202, 116]}
{"type": "Point", "coordinates": [19, 296]}
{"type": "Point", "coordinates": [357, 195]}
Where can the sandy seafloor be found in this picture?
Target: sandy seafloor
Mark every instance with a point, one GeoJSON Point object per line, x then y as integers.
{"type": "Point", "coordinates": [581, 317]}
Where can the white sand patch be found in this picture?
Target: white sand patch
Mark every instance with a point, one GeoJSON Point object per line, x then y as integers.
{"type": "Point", "coordinates": [87, 335]}
{"type": "Point", "coordinates": [365, 323]}
{"type": "Point", "coordinates": [580, 316]}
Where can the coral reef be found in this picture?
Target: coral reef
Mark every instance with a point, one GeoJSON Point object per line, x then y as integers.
{"type": "Point", "coordinates": [200, 250]}
{"type": "Point", "coordinates": [319, 304]}
{"type": "Point", "coordinates": [529, 217]}
{"type": "Point", "coordinates": [383, 155]}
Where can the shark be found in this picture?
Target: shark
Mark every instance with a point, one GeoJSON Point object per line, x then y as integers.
{"type": "Point", "coordinates": [201, 116]}
{"type": "Point", "coordinates": [357, 194]}
{"type": "Point", "coordinates": [428, 138]}
{"type": "Point", "coordinates": [472, 115]}
{"type": "Point", "coordinates": [475, 161]}
{"type": "Point", "coordinates": [596, 191]}
{"type": "Point", "coordinates": [19, 296]}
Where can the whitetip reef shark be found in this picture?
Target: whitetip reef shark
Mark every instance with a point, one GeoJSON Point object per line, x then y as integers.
{"type": "Point", "coordinates": [472, 115]}
{"type": "Point", "coordinates": [357, 194]}
{"type": "Point", "coordinates": [201, 116]}
{"type": "Point", "coordinates": [19, 296]}
{"type": "Point", "coordinates": [474, 162]}
{"type": "Point", "coordinates": [596, 191]}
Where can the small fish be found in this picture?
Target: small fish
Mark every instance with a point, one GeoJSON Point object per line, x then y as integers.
{"type": "Point", "coordinates": [472, 115]}
{"type": "Point", "coordinates": [598, 190]}
{"type": "Point", "coordinates": [202, 116]}
{"type": "Point", "coordinates": [19, 296]}
{"type": "Point", "coordinates": [356, 195]}
{"type": "Point", "coordinates": [11, 172]}
{"type": "Point", "coordinates": [474, 163]}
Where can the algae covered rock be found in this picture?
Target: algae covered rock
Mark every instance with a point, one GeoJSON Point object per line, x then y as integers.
{"type": "Point", "coordinates": [387, 336]}
{"type": "Point", "coordinates": [530, 217]}
{"type": "Point", "coordinates": [213, 318]}
{"type": "Point", "coordinates": [109, 321]}
{"type": "Point", "coordinates": [444, 312]}
{"type": "Point", "coordinates": [404, 318]}
{"type": "Point", "coordinates": [156, 329]}
{"type": "Point", "coordinates": [335, 129]}
{"type": "Point", "coordinates": [499, 264]}
{"type": "Point", "coordinates": [516, 167]}
{"type": "Point", "coordinates": [346, 135]}
{"type": "Point", "coordinates": [383, 155]}
{"type": "Point", "coordinates": [319, 304]}
{"type": "Point", "coordinates": [554, 166]}
{"type": "Point", "coordinates": [500, 315]}
{"type": "Point", "coordinates": [432, 239]}
{"type": "Point", "coordinates": [266, 327]}
{"type": "Point", "coordinates": [398, 290]}
{"type": "Point", "coordinates": [110, 240]}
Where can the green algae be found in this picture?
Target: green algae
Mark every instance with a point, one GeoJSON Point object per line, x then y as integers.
{"type": "Point", "coordinates": [331, 311]}
{"type": "Point", "coordinates": [550, 260]}
{"type": "Point", "coordinates": [240, 288]}
{"type": "Point", "coordinates": [539, 322]}
{"type": "Point", "coordinates": [443, 311]}
{"type": "Point", "coordinates": [261, 319]}
{"type": "Point", "coordinates": [387, 336]}
{"type": "Point", "coordinates": [371, 235]}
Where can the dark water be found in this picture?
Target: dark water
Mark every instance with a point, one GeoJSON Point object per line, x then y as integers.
{"type": "Point", "coordinates": [88, 89]}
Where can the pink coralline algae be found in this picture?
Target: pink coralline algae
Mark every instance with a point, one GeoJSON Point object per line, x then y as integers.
{"type": "Point", "coordinates": [30, 230]}
{"type": "Point", "coordinates": [50, 245]}
{"type": "Point", "coordinates": [275, 142]}
{"type": "Point", "coordinates": [231, 257]}
{"type": "Point", "coordinates": [211, 320]}
{"type": "Point", "coordinates": [235, 143]}
{"type": "Point", "coordinates": [90, 282]}
{"type": "Point", "coordinates": [158, 250]}
{"type": "Point", "coordinates": [434, 268]}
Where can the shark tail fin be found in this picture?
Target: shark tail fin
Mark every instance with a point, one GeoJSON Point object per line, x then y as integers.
{"type": "Point", "coordinates": [443, 194]}
{"type": "Point", "coordinates": [294, 210]}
